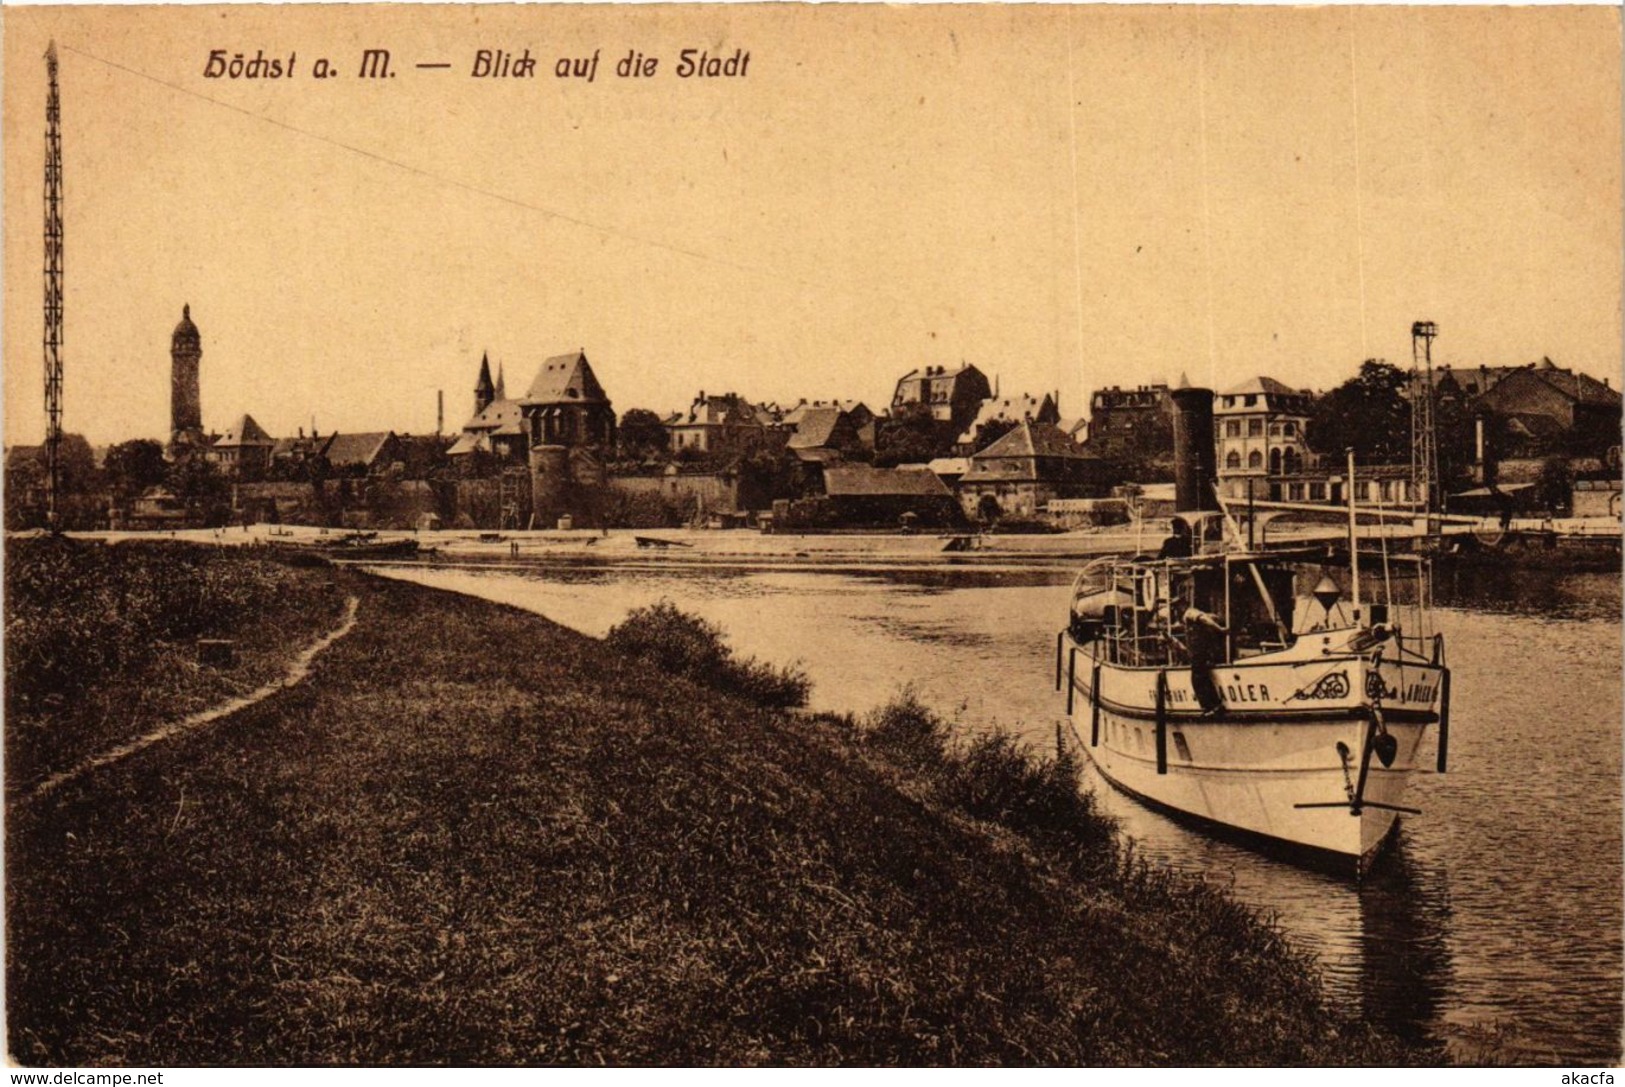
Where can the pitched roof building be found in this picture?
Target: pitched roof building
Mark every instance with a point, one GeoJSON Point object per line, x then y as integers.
{"type": "Point", "coordinates": [1547, 409]}
{"type": "Point", "coordinates": [299, 449]}
{"type": "Point", "coordinates": [498, 428]}
{"type": "Point", "coordinates": [949, 396]}
{"type": "Point", "coordinates": [369, 452]}
{"type": "Point", "coordinates": [1469, 381]}
{"type": "Point", "coordinates": [244, 449]}
{"type": "Point", "coordinates": [864, 495]}
{"type": "Point", "coordinates": [566, 406]}
{"type": "Point", "coordinates": [1022, 471]}
{"type": "Point", "coordinates": [1009, 409]}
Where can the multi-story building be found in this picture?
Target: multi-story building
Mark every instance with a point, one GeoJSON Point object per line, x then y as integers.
{"type": "Point", "coordinates": [716, 424]}
{"type": "Point", "coordinates": [950, 396]}
{"type": "Point", "coordinates": [1133, 428]}
{"type": "Point", "coordinates": [185, 401]}
{"type": "Point", "coordinates": [1260, 436]}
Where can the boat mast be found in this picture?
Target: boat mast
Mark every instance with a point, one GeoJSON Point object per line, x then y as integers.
{"type": "Point", "coordinates": [1354, 543]}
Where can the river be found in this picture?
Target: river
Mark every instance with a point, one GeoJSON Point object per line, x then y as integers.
{"type": "Point", "coordinates": [1493, 925]}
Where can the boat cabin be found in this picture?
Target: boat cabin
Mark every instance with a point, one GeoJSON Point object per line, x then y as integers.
{"type": "Point", "coordinates": [1156, 611]}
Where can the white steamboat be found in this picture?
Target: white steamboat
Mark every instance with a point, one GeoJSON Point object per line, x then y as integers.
{"type": "Point", "coordinates": [1206, 682]}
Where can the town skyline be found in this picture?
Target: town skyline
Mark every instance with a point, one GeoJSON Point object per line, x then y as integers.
{"type": "Point", "coordinates": [349, 251]}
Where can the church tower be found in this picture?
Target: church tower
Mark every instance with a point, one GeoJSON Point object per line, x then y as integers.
{"type": "Point", "coordinates": [484, 391]}
{"type": "Point", "coordinates": [185, 402]}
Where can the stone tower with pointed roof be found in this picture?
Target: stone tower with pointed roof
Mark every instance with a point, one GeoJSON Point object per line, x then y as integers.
{"type": "Point", "coordinates": [566, 406]}
{"type": "Point", "coordinates": [185, 401]}
{"type": "Point", "coordinates": [571, 427]}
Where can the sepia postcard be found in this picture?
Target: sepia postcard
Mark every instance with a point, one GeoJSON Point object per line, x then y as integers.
{"type": "Point", "coordinates": [812, 535]}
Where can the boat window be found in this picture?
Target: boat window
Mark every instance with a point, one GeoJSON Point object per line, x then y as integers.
{"type": "Point", "coordinates": [1181, 747]}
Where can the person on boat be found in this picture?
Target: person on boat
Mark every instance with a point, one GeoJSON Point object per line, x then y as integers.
{"type": "Point", "coordinates": [1204, 637]}
{"type": "Point", "coordinates": [1177, 546]}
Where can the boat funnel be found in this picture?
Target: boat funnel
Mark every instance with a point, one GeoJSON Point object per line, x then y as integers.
{"type": "Point", "coordinates": [1194, 458]}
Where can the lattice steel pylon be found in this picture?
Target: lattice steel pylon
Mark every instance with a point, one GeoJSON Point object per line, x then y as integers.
{"type": "Point", "coordinates": [1424, 444]}
{"type": "Point", "coordinates": [53, 296]}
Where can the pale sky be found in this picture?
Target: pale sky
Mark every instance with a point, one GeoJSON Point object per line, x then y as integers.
{"type": "Point", "coordinates": [1068, 198]}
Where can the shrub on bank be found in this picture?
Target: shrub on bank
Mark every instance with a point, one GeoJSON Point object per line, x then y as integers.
{"type": "Point", "coordinates": [995, 778]}
{"type": "Point", "coordinates": [908, 731]}
{"type": "Point", "coordinates": [1222, 943]}
{"type": "Point", "coordinates": [688, 646]}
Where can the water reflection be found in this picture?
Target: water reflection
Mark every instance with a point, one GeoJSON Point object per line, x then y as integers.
{"type": "Point", "coordinates": [1404, 948]}
{"type": "Point", "coordinates": [1499, 909]}
{"type": "Point", "coordinates": [1531, 591]}
{"type": "Point", "coordinates": [1381, 943]}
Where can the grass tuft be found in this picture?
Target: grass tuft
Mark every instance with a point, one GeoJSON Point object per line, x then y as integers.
{"type": "Point", "coordinates": [689, 646]}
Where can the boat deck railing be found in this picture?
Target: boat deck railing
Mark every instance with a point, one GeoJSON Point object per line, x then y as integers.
{"type": "Point", "coordinates": [1157, 646]}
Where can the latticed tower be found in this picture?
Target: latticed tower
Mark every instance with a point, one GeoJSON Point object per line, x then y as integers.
{"type": "Point", "coordinates": [53, 293]}
{"type": "Point", "coordinates": [1424, 445]}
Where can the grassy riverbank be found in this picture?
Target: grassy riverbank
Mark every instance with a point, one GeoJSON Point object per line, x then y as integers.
{"type": "Point", "coordinates": [474, 836]}
{"type": "Point", "coordinates": [101, 640]}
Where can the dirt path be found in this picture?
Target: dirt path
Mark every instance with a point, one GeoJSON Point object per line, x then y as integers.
{"type": "Point", "coordinates": [296, 672]}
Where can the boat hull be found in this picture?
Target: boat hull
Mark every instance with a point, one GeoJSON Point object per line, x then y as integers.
{"type": "Point", "coordinates": [1250, 771]}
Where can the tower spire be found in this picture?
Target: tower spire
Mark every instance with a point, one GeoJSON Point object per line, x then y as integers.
{"type": "Point", "coordinates": [484, 391]}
